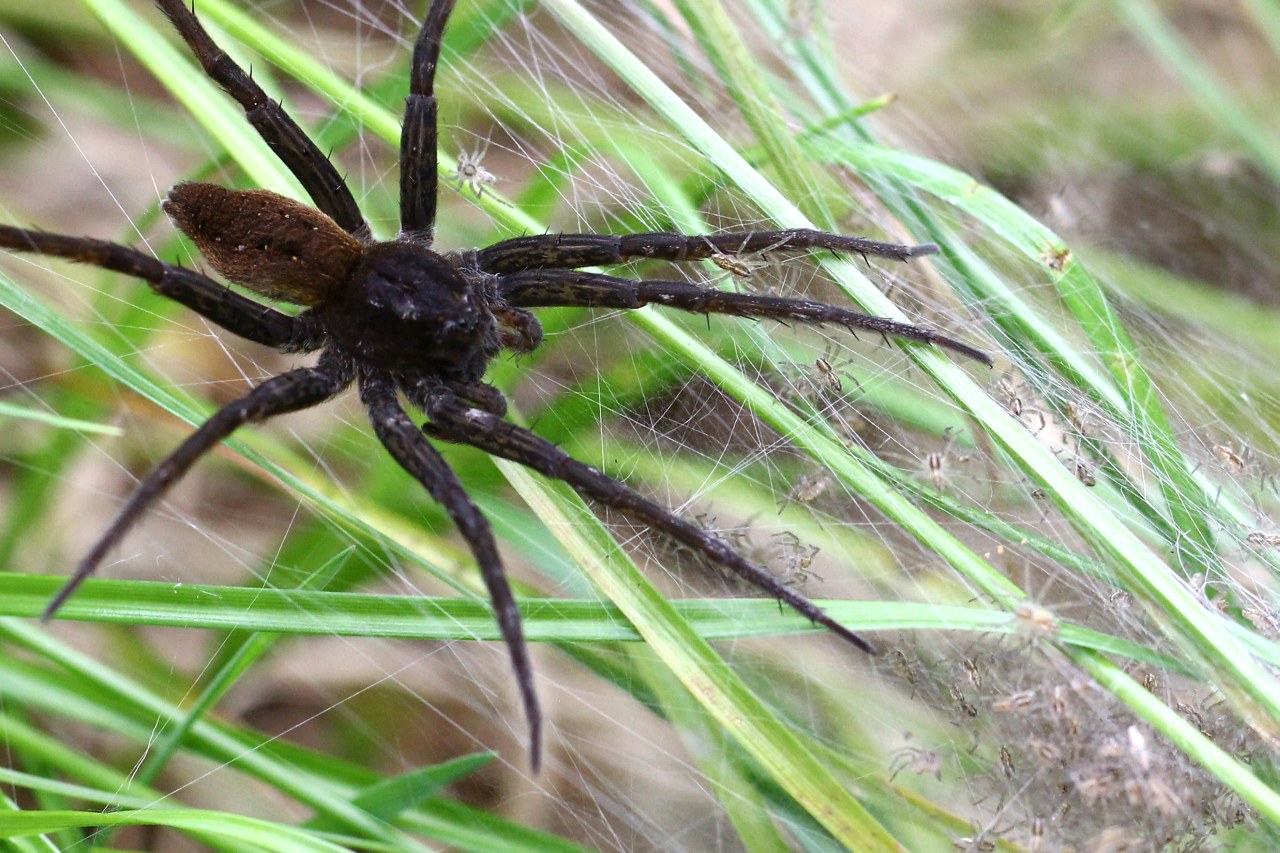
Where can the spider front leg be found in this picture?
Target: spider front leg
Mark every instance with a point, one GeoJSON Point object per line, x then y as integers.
{"type": "Point", "coordinates": [571, 251]}
{"type": "Point", "coordinates": [214, 301]}
{"type": "Point", "coordinates": [452, 420]}
{"type": "Point", "coordinates": [547, 288]}
{"type": "Point", "coordinates": [281, 133]}
{"type": "Point", "coordinates": [406, 444]}
{"type": "Point", "coordinates": [288, 392]}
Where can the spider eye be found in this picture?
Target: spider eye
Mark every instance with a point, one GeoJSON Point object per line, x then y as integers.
{"type": "Point", "coordinates": [272, 245]}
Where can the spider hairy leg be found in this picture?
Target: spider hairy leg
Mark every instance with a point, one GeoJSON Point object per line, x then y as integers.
{"type": "Point", "coordinates": [271, 244]}
{"type": "Point", "coordinates": [451, 419]}
{"type": "Point", "coordinates": [281, 133]}
{"type": "Point", "coordinates": [288, 392]}
{"type": "Point", "coordinates": [572, 287]}
{"type": "Point", "coordinates": [407, 445]}
{"type": "Point", "coordinates": [206, 297]}
{"type": "Point", "coordinates": [570, 251]}
{"type": "Point", "coordinates": [419, 180]}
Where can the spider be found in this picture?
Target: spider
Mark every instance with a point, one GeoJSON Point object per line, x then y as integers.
{"type": "Point", "coordinates": [408, 324]}
{"type": "Point", "coordinates": [472, 173]}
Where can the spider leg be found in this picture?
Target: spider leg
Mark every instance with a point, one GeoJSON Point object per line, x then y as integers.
{"type": "Point", "coordinates": [288, 392]}
{"type": "Point", "coordinates": [482, 395]}
{"type": "Point", "coordinates": [281, 133]}
{"type": "Point", "coordinates": [214, 301]}
{"type": "Point", "coordinates": [570, 251]}
{"type": "Point", "coordinates": [418, 169]}
{"type": "Point", "coordinates": [407, 445]}
{"type": "Point", "coordinates": [452, 420]}
{"type": "Point", "coordinates": [572, 287]}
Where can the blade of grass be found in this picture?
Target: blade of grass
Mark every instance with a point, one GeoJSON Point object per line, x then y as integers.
{"type": "Point", "coordinates": [213, 825]}
{"type": "Point", "coordinates": [758, 731]}
{"type": "Point", "coordinates": [1184, 735]}
{"type": "Point", "coordinates": [391, 797]}
{"type": "Point", "coordinates": [1267, 16]}
{"type": "Point", "coordinates": [52, 419]}
{"type": "Point", "coordinates": [316, 613]}
{"type": "Point", "coordinates": [1213, 96]}
{"type": "Point", "coordinates": [220, 118]}
{"type": "Point", "coordinates": [322, 798]}
{"type": "Point", "coordinates": [81, 688]}
{"type": "Point", "coordinates": [741, 74]}
{"type": "Point", "coordinates": [711, 747]}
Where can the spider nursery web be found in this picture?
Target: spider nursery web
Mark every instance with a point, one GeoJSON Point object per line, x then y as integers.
{"type": "Point", "coordinates": [980, 721]}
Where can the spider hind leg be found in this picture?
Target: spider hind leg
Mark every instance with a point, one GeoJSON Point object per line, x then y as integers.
{"type": "Point", "coordinates": [452, 420]}
{"type": "Point", "coordinates": [288, 392]}
{"type": "Point", "coordinates": [407, 445]}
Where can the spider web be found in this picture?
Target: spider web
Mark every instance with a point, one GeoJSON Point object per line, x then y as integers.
{"type": "Point", "coordinates": [1000, 729]}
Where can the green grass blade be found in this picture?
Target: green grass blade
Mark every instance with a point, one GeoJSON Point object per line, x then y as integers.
{"type": "Point", "coordinates": [1211, 93]}
{"type": "Point", "coordinates": [704, 674]}
{"type": "Point", "coordinates": [315, 613]}
{"type": "Point", "coordinates": [1191, 741]}
{"type": "Point", "coordinates": [10, 410]}
{"type": "Point", "coordinates": [79, 688]}
{"type": "Point", "coordinates": [214, 825]}
{"type": "Point", "coordinates": [391, 797]}
{"type": "Point", "coordinates": [221, 118]}
{"type": "Point", "coordinates": [721, 41]}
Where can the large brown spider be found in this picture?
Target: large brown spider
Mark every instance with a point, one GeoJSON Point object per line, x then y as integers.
{"type": "Point", "coordinates": [404, 321]}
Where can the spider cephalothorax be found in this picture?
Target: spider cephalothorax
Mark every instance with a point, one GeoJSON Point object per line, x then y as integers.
{"type": "Point", "coordinates": [404, 321]}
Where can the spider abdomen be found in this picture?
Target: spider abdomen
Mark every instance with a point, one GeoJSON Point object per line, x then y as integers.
{"type": "Point", "coordinates": [271, 244]}
{"type": "Point", "coordinates": [405, 308]}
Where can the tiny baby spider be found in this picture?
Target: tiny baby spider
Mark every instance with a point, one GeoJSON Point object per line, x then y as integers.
{"type": "Point", "coordinates": [808, 488]}
{"type": "Point", "coordinates": [471, 172]}
{"type": "Point", "coordinates": [415, 328]}
{"type": "Point", "coordinates": [921, 762]}
{"type": "Point", "coordinates": [935, 461]}
{"type": "Point", "coordinates": [822, 381]}
{"type": "Point", "coordinates": [742, 263]}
